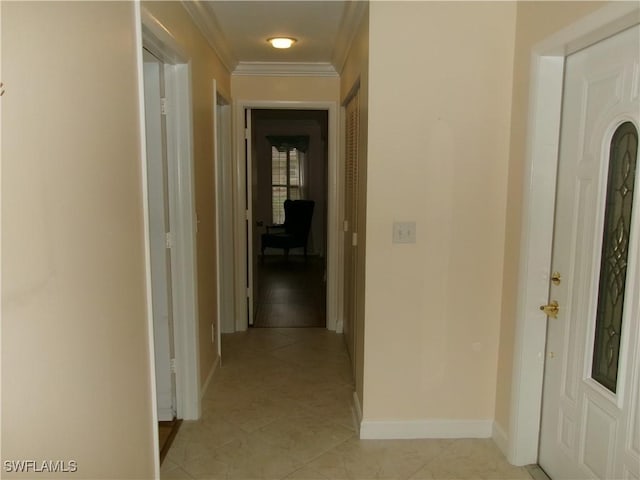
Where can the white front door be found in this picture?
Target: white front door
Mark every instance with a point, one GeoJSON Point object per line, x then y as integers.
{"type": "Point", "coordinates": [590, 415]}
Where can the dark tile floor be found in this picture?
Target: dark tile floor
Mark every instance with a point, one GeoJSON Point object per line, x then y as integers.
{"type": "Point", "coordinates": [291, 292]}
{"type": "Point", "coordinates": [166, 433]}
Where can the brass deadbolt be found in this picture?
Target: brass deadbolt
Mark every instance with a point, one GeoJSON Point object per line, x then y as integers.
{"type": "Point", "coordinates": [551, 310]}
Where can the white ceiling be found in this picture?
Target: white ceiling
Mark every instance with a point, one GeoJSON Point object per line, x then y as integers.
{"type": "Point", "coordinates": [238, 29]}
{"type": "Point", "coordinates": [247, 25]}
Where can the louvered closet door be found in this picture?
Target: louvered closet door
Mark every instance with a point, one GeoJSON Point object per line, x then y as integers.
{"type": "Point", "coordinates": [351, 217]}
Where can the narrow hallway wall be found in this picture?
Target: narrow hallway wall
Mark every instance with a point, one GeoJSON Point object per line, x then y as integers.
{"type": "Point", "coordinates": [440, 77]}
{"type": "Point", "coordinates": [75, 362]}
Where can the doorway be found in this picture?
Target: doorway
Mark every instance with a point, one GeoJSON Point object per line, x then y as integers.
{"type": "Point", "coordinates": [547, 75]}
{"type": "Point", "coordinates": [159, 234]}
{"type": "Point", "coordinates": [247, 233]}
{"type": "Point", "coordinates": [224, 217]}
{"type": "Point", "coordinates": [590, 392]}
{"type": "Point", "coordinates": [289, 162]}
{"type": "Point", "coordinates": [177, 242]}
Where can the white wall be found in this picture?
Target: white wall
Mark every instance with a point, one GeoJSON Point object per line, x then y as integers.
{"type": "Point", "coordinates": [75, 362]}
{"type": "Point", "coordinates": [440, 77]}
{"type": "Point", "coordinates": [305, 89]}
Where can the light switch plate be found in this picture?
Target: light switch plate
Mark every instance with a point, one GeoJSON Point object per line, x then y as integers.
{"type": "Point", "coordinates": [404, 232]}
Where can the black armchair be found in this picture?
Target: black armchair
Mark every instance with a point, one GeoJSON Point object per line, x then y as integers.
{"type": "Point", "coordinates": [294, 232]}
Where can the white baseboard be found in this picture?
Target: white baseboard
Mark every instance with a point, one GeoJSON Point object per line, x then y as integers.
{"type": "Point", "coordinates": [207, 382]}
{"type": "Point", "coordinates": [405, 429]}
{"type": "Point", "coordinates": [500, 438]}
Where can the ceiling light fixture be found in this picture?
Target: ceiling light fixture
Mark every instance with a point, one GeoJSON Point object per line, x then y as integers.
{"type": "Point", "coordinates": [281, 42]}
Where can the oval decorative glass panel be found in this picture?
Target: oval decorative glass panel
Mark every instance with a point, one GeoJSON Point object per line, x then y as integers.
{"type": "Point", "coordinates": [621, 178]}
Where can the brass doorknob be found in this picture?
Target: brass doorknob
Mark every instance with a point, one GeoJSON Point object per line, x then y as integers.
{"type": "Point", "coordinates": [551, 310]}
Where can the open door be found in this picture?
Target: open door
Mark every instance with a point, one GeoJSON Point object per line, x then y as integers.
{"type": "Point", "coordinates": [247, 232]}
{"type": "Point", "coordinates": [252, 259]}
{"type": "Point", "coordinates": [159, 236]}
{"type": "Point", "coordinates": [224, 221]}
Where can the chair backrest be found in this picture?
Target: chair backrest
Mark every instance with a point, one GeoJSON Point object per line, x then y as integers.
{"type": "Point", "coordinates": [297, 218]}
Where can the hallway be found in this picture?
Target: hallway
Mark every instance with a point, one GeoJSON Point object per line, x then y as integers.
{"type": "Point", "coordinates": [291, 293]}
{"type": "Point", "coordinates": [280, 407]}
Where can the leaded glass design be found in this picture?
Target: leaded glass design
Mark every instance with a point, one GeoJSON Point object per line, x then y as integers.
{"type": "Point", "coordinates": [615, 249]}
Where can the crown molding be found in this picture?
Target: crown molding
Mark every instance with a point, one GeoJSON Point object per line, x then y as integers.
{"type": "Point", "coordinates": [285, 69]}
{"type": "Point", "coordinates": [353, 13]}
{"type": "Point", "coordinates": [208, 25]}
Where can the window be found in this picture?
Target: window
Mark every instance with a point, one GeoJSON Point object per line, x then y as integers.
{"type": "Point", "coordinates": [287, 178]}
{"type": "Point", "coordinates": [615, 251]}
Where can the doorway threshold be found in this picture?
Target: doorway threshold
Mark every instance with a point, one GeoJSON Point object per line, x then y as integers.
{"type": "Point", "coordinates": [536, 472]}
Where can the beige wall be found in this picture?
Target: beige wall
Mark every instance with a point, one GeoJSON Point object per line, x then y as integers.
{"type": "Point", "coordinates": [356, 69]}
{"type": "Point", "coordinates": [205, 67]}
{"type": "Point", "coordinates": [439, 116]}
{"type": "Point", "coordinates": [267, 88]}
{"type": "Point", "coordinates": [535, 21]}
{"type": "Point", "coordinates": [75, 362]}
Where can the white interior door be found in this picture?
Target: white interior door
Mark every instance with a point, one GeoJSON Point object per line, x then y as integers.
{"type": "Point", "coordinates": [590, 416]}
{"type": "Point", "coordinates": [224, 212]}
{"type": "Point", "coordinates": [158, 235]}
{"type": "Point", "coordinates": [227, 254]}
{"type": "Point", "coordinates": [249, 197]}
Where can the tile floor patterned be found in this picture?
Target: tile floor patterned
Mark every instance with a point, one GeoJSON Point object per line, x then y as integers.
{"type": "Point", "coordinates": [280, 408]}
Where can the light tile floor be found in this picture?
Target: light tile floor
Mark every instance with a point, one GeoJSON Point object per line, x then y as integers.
{"type": "Point", "coordinates": [280, 408]}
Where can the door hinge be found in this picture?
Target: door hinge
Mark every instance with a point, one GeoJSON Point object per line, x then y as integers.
{"type": "Point", "coordinates": [246, 214]}
{"type": "Point", "coordinates": [168, 239]}
{"type": "Point", "coordinates": [172, 365]}
{"type": "Point", "coordinates": [354, 239]}
{"type": "Point", "coordinates": [164, 106]}
{"type": "Point", "coordinates": [246, 134]}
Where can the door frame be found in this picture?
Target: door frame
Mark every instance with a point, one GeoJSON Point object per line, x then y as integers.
{"type": "Point", "coordinates": [224, 212]}
{"type": "Point", "coordinates": [334, 204]}
{"type": "Point", "coordinates": [158, 205]}
{"type": "Point", "coordinates": [152, 35]}
{"type": "Point", "coordinates": [541, 162]}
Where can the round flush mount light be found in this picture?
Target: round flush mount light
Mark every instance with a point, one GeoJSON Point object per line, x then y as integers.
{"type": "Point", "coordinates": [281, 42]}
